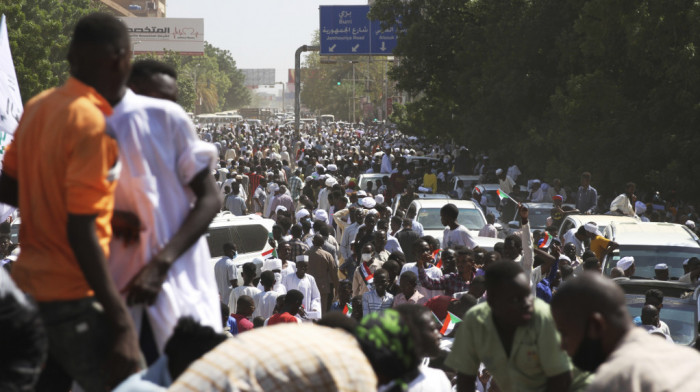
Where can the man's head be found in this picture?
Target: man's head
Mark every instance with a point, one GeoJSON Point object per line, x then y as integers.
{"type": "Point", "coordinates": [477, 287]}
{"type": "Point", "coordinates": [229, 249]}
{"type": "Point", "coordinates": [448, 214]}
{"type": "Point", "coordinates": [570, 250]}
{"type": "Point", "coordinates": [512, 247]}
{"type": "Point", "coordinates": [249, 272]}
{"type": "Point", "coordinates": [245, 306]}
{"type": "Point", "coordinates": [654, 297]}
{"type": "Point", "coordinates": [424, 328]}
{"type": "Point", "coordinates": [661, 271]}
{"type": "Point", "coordinates": [408, 283]}
{"type": "Point", "coordinates": [585, 179]}
{"type": "Point", "coordinates": [370, 221]}
{"type": "Point", "coordinates": [630, 187]}
{"type": "Point", "coordinates": [318, 240]}
{"type": "Point", "coordinates": [99, 55]}
{"type": "Point", "coordinates": [292, 302]}
{"type": "Point", "coordinates": [345, 291]}
{"type": "Point", "coordinates": [465, 262]}
{"type": "Point", "coordinates": [379, 239]}
{"type": "Point", "coordinates": [283, 250]}
{"type": "Point", "coordinates": [627, 265]}
{"type": "Point", "coordinates": [591, 316]}
{"type": "Point", "coordinates": [508, 293]}
{"type": "Point", "coordinates": [267, 279]}
{"type": "Point", "coordinates": [490, 218]}
{"type": "Point", "coordinates": [650, 315]}
{"type": "Point", "coordinates": [449, 257]}
{"type": "Point", "coordinates": [154, 79]}
{"type": "Point", "coordinates": [393, 268]}
{"type": "Point", "coordinates": [189, 341]}
{"type": "Point", "coordinates": [592, 264]}
{"type": "Point", "coordinates": [381, 281]}
{"type": "Point", "coordinates": [302, 266]}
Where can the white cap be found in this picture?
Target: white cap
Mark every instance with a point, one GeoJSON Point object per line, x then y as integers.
{"type": "Point", "coordinates": [283, 208]}
{"type": "Point", "coordinates": [321, 215]}
{"type": "Point", "coordinates": [661, 267]}
{"type": "Point", "coordinates": [690, 224]}
{"type": "Point", "coordinates": [302, 213]}
{"type": "Point", "coordinates": [361, 193]}
{"type": "Point", "coordinates": [499, 172]}
{"type": "Point", "coordinates": [332, 167]}
{"type": "Point", "coordinates": [372, 212]}
{"type": "Point", "coordinates": [303, 258]}
{"type": "Point", "coordinates": [330, 181]}
{"type": "Point", "coordinates": [625, 263]}
{"type": "Point", "coordinates": [592, 228]}
{"type": "Point", "coordinates": [271, 264]}
{"type": "Point", "coordinates": [368, 202]}
{"type": "Point", "coordinates": [564, 257]}
{"type": "Point", "coordinates": [379, 199]}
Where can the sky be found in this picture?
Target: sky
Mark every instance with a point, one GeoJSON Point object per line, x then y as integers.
{"type": "Point", "coordinates": [258, 33]}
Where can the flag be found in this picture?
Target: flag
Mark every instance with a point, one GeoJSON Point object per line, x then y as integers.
{"type": "Point", "coordinates": [347, 310]}
{"type": "Point", "coordinates": [502, 195]}
{"type": "Point", "coordinates": [437, 320]}
{"type": "Point", "coordinates": [438, 263]}
{"type": "Point", "coordinates": [11, 102]}
{"type": "Point", "coordinates": [546, 241]}
{"type": "Point", "coordinates": [449, 325]}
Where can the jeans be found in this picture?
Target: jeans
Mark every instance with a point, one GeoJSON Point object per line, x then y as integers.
{"type": "Point", "coordinates": [78, 345]}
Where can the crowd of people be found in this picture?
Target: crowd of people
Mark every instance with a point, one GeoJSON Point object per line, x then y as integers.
{"type": "Point", "coordinates": [112, 286]}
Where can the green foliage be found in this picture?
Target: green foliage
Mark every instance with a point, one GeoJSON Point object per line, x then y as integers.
{"type": "Point", "coordinates": [39, 33]}
{"type": "Point", "coordinates": [558, 86]}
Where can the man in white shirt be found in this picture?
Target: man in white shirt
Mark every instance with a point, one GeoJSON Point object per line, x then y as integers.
{"type": "Point", "coordinates": [226, 273]}
{"type": "Point", "coordinates": [455, 235]}
{"type": "Point", "coordinates": [504, 182]}
{"type": "Point", "coordinates": [623, 203]}
{"type": "Point", "coordinates": [489, 230]}
{"type": "Point", "coordinates": [306, 284]}
{"type": "Point", "coordinates": [166, 182]}
{"type": "Point", "coordinates": [248, 273]}
{"type": "Point", "coordinates": [266, 300]}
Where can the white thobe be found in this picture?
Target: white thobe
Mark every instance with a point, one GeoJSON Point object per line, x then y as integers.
{"type": "Point", "coordinates": [238, 292]}
{"type": "Point", "coordinates": [160, 154]}
{"type": "Point", "coordinates": [265, 302]}
{"type": "Point", "coordinates": [307, 286]}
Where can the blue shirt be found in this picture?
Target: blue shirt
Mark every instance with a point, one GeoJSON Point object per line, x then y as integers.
{"type": "Point", "coordinates": [586, 199]}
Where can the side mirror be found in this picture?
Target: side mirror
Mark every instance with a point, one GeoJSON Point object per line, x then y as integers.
{"type": "Point", "coordinates": [514, 224]}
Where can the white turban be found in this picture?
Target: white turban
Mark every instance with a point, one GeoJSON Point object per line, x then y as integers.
{"type": "Point", "coordinates": [625, 263]}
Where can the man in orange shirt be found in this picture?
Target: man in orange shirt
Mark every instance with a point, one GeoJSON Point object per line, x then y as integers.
{"type": "Point", "coordinates": [61, 143]}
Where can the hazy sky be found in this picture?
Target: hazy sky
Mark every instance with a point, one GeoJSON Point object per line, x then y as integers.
{"type": "Point", "coordinates": [259, 33]}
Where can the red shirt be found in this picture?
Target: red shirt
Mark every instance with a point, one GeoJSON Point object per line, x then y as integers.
{"type": "Point", "coordinates": [281, 318]}
{"type": "Point", "coordinates": [242, 322]}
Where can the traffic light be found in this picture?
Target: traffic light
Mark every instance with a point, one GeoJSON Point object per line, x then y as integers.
{"type": "Point", "coordinates": [338, 82]}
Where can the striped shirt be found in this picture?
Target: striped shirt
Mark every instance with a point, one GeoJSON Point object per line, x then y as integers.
{"type": "Point", "coordinates": [295, 186]}
{"type": "Point", "coordinates": [284, 357]}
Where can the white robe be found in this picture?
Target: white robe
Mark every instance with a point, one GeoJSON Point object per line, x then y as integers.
{"type": "Point", "coordinates": [307, 286]}
{"type": "Point", "coordinates": [160, 154]}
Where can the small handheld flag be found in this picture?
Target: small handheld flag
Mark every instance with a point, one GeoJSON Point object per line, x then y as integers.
{"type": "Point", "coordinates": [450, 323]}
{"type": "Point", "coordinates": [436, 256]}
{"type": "Point", "coordinates": [502, 195]}
{"type": "Point", "coordinates": [437, 320]}
{"type": "Point", "coordinates": [546, 241]}
{"type": "Point", "coordinates": [347, 310]}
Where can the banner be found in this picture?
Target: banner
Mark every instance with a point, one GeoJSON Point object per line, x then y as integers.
{"type": "Point", "coordinates": [10, 102]}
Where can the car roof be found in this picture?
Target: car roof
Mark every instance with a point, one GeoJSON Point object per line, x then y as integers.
{"type": "Point", "coordinates": [224, 219]}
{"type": "Point", "coordinates": [670, 288]}
{"type": "Point", "coordinates": [490, 187]}
{"type": "Point", "coordinates": [601, 220]}
{"type": "Point", "coordinates": [434, 203]}
{"type": "Point", "coordinates": [653, 233]}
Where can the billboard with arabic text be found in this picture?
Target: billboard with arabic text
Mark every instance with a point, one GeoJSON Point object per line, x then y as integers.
{"type": "Point", "coordinates": [156, 35]}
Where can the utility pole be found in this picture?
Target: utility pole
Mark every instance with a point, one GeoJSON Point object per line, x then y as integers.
{"type": "Point", "coordinates": [353, 93]}
{"type": "Point", "coordinates": [297, 80]}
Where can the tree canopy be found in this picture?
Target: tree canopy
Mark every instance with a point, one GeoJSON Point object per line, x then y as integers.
{"type": "Point", "coordinates": [558, 86]}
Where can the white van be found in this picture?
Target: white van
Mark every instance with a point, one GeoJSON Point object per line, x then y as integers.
{"type": "Point", "coordinates": [249, 233]}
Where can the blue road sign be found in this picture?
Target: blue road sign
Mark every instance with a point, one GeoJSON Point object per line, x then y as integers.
{"type": "Point", "coordinates": [346, 30]}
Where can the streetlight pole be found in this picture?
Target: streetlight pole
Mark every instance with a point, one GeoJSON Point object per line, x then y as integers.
{"type": "Point", "coordinates": [353, 93]}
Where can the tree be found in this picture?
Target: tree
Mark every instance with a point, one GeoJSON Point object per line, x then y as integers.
{"type": "Point", "coordinates": [559, 87]}
{"type": "Point", "coordinates": [39, 32]}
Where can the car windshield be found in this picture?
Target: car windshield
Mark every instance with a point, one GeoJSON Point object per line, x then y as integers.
{"type": "Point", "coordinates": [470, 218]}
{"type": "Point", "coordinates": [492, 199]}
{"type": "Point", "coordinates": [678, 314]}
{"type": "Point", "coordinates": [646, 257]}
{"type": "Point", "coordinates": [538, 218]}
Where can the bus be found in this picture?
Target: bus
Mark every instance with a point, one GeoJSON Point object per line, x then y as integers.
{"type": "Point", "coordinates": [326, 118]}
{"type": "Point", "coordinates": [219, 118]}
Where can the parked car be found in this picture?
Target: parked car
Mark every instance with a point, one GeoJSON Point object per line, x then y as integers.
{"type": "Point", "coordinates": [651, 243]}
{"type": "Point", "coordinates": [249, 233]}
{"type": "Point", "coordinates": [362, 180]}
{"type": "Point", "coordinates": [680, 310]}
{"type": "Point", "coordinates": [470, 216]}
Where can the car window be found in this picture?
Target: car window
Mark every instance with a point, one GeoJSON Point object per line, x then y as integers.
{"type": "Point", "coordinates": [468, 217]}
{"type": "Point", "coordinates": [247, 238]}
{"type": "Point", "coordinates": [678, 315]}
{"type": "Point", "coordinates": [646, 257]}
